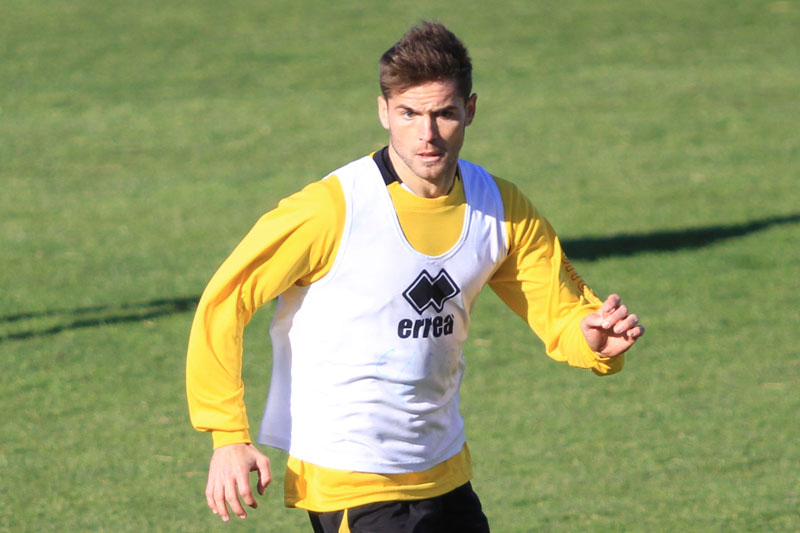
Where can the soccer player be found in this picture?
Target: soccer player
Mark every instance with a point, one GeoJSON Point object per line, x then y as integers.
{"type": "Point", "coordinates": [376, 268]}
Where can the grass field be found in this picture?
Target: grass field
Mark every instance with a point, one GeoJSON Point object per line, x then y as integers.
{"type": "Point", "coordinates": [140, 140]}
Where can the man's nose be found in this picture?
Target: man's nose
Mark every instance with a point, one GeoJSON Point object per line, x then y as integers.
{"type": "Point", "coordinates": [428, 128]}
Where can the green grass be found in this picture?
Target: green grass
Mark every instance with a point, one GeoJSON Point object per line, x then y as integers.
{"type": "Point", "coordinates": [139, 142]}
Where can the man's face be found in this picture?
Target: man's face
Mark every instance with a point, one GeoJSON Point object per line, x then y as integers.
{"type": "Point", "coordinates": [426, 126]}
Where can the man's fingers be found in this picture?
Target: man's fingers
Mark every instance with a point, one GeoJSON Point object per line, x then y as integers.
{"type": "Point", "coordinates": [264, 475]}
{"type": "Point", "coordinates": [611, 330]}
{"type": "Point", "coordinates": [594, 320]}
{"type": "Point", "coordinates": [210, 498]}
{"type": "Point", "coordinates": [229, 479]}
{"type": "Point", "coordinates": [215, 498]}
{"type": "Point", "coordinates": [233, 500]}
{"type": "Point", "coordinates": [611, 303]}
{"type": "Point", "coordinates": [635, 333]}
{"type": "Point", "coordinates": [219, 504]}
{"type": "Point", "coordinates": [243, 484]}
{"type": "Point", "coordinates": [612, 318]}
{"type": "Point", "coordinates": [626, 324]}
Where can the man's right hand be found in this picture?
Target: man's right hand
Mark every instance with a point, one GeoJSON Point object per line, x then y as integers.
{"type": "Point", "coordinates": [229, 478]}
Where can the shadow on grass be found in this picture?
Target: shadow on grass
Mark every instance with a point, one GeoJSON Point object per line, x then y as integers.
{"type": "Point", "coordinates": [586, 249]}
{"type": "Point", "coordinates": [593, 248]}
{"type": "Point", "coordinates": [96, 316]}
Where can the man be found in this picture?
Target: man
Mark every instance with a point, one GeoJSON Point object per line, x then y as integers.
{"type": "Point", "coordinates": [376, 267]}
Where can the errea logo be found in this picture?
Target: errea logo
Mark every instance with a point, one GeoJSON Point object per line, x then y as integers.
{"type": "Point", "coordinates": [427, 291]}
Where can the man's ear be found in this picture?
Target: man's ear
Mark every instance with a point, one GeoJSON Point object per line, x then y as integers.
{"type": "Point", "coordinates": [383, 111]}
{"type": "Point", "coordinates": [471, 106]}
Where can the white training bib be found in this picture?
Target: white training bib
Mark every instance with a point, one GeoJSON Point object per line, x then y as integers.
{"type": "Point", "coordinates": [367, 362]}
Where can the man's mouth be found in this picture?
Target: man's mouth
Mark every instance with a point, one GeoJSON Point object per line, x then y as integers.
{"type": "Point", "coordinates": [430, 156]}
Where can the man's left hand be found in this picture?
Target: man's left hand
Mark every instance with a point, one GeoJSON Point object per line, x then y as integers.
{"type": "Point", "coordinates": [611, 331]}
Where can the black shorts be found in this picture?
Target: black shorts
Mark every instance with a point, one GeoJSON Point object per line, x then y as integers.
{"type": "Point", "coordinates": [457, 511]}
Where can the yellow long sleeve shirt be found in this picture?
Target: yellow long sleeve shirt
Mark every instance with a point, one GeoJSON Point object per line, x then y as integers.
{"type": "Point", "coordinates": [296, 243]}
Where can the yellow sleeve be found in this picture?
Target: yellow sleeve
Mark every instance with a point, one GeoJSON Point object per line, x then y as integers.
{"type": "Point", "coordinates": [294, 243]}
{"type": "Point", "coordinates": [538, 283]}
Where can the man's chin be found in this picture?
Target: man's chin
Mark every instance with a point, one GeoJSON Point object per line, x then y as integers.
{"type": "Point", "coordinates": [431, 174]}
{"type": "Point", "coordinates": [434, 170]}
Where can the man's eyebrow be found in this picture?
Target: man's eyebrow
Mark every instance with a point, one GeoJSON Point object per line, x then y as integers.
{"type": "Point", "coordinates": [449, 107]}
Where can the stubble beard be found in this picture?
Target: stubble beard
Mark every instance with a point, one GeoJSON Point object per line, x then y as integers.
{"type": "Point", "coordinates": [434, 171]}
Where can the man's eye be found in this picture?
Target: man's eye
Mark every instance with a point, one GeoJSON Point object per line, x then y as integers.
{"type": "Point", "coordinates": [408, 114]}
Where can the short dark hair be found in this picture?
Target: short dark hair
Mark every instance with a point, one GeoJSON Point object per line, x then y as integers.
{"type": "Point", "coordinates": [428, 52]}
